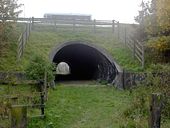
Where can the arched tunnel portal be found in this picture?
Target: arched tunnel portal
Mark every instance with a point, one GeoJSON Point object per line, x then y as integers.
{"type": "Point", "coordinates": [86, 62]}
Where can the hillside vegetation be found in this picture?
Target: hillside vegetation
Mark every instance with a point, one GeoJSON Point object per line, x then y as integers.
{"type": "Point", "coordinates": [8, 48]}
{"type": "Point", "coordinates": [44, 38]}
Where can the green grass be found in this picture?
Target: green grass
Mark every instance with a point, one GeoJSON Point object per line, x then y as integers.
{"type": "Point", "coordinates": [44, 38]}
{"type": "Point", "coordinates": [8, 53]}
{"type": "Point", "coordinates": [88, 105]}
{"type": "Point", "coordinates": [91, 106]}
{"type": "Point", "coordinates": [83, 107]}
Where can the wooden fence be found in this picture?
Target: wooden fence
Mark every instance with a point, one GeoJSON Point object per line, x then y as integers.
{"type": "Point", "coordinates": [155, 110]}
{"type": "Point", "coordinates": [23, 39]}
{"type": "Point", "coordinates": [119, 30]}
{"type": "Point", "coordinates": [137, 49]}
{"type": "Point", "coordinates": [73, 23]}
{"type": "Point", "coordinates": [12, 106]}
{"type": "Point", "coordinates": [135, 46]}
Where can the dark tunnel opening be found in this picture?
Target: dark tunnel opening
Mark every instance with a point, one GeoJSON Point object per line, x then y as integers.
{"type": "Point", "coordinates": [85, 63]}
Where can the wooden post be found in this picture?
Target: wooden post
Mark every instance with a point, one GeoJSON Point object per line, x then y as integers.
{"type": "Point", "coordinates": [74, 24]}
{"type": "Point", "coordinates": [19, 117]}
{"type": "Point", "coordinates": [155, 110]}
{"type": "Point", "coordinates": [94, 25]}
{"type": "Point", "coordinates": [45, 86]}
{"type": "Point", "coordinates": [32, 22]}
{"type": "Point", "coordinates": [143, 56]}
{"type": "Point", "coordinates": [118, 30]}
{"type": "Point", "coordinates": [134, 49]}
{"type": "Point", "coordinates": [55, 25]}
{"type": "Point", "coordinates": [26, 33]}
{"type": "Point", "coordinates": [30, 26]}
{"type": "Point", "coordinates": [113, 26]}
{"type": "Point", "coordinates": [42, 104]}
{"type": "Point", "coordinates": [14, 100]}
{"type": "Point", "coordinates": [125, 34]}
{"type": "Point", "coordinates": [22, 45]}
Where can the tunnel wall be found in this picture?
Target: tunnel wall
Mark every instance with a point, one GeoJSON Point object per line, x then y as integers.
{"type": "Point", "coordinates": [109, 70]}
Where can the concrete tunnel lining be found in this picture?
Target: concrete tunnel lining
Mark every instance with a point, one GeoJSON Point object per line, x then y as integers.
{"type": "Point", "coordinates": [86, 61]}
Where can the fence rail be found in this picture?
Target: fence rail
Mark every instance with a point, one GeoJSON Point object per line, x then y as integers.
{"type": "Point", "coordinates": [137, 49]}
{"type": "Point", "coordinates": [119, 30]}
{"type": "Point", "coordinates": [12, 105]}
{"type": "Point", "coordinates": [57, 22]}
{"type": "Point", "coordinates": [23, 39]}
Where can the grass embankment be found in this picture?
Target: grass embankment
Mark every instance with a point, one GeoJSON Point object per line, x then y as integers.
{"type": "Point", "coordinates": [8, 49]}
{"type": "Point", "coordinates": [44, 38]}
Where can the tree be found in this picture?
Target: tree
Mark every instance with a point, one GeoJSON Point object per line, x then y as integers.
{"type": "Point", "coordinates": [9, 9]}
{"type": "Point", "coordinates": [141, 19]}
{"type": "Point", "coordinates": [163, 16]}
{"type": "Point", "coordinates": [154, 21]}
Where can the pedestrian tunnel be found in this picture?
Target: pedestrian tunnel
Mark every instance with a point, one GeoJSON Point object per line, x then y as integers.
{"type": "Point", "coordinates": [83, 61]}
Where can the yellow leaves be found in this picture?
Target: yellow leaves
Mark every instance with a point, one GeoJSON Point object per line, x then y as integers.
{"type": "Point", "coordinates": [163, 14]}
{"type": "Point", "coordinates": [160, 44]}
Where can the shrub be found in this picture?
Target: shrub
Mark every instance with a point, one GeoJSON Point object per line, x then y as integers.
{"type": "Point", "coordinates": [154, 83]}
{"type": "Point", "coordinates": [160, 47]}
{"type": "Point", "coordinates": [37, 67]}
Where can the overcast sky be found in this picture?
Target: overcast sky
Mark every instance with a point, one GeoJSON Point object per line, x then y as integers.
{"type": "Point", "coordinates": [120, 10]}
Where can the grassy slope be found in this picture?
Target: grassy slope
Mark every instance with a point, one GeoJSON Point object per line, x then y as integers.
{"type": "Point", "coordinates": [43, 39]}
{"type": "Point", "coordinates": [8, 53]}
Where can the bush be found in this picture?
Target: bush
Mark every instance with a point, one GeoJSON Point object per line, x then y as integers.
{"type": "Point", "coordinates": [154, 83]}
{"type": "Point", "coordinates": [160, 48]}
{"type": "Point", "coordinates": [37, 67]}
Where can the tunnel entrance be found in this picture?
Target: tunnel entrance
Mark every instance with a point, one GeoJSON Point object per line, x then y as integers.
{"type": "Point", "coordinates": [86, 62]}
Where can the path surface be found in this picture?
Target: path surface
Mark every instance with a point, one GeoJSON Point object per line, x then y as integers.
{"type": "Point", "coordinates": [84, 106]}
{"type": "Point", "coordinates": [79, 83]}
